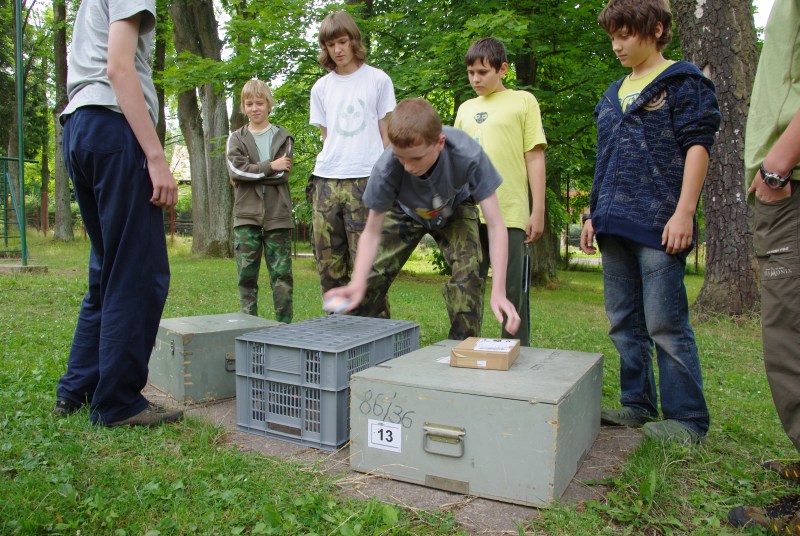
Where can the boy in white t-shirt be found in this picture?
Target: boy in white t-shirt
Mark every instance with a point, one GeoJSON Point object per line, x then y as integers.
{"type": "Point", "coordinates": [350, 106]}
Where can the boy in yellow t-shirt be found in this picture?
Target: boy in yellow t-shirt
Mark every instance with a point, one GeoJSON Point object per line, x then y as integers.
{"type": "Point", "coordinates": [508, 125]}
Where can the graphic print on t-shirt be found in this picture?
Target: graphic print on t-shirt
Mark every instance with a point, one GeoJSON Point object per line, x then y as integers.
{"type": "Point", "coordinates": [352, 119]}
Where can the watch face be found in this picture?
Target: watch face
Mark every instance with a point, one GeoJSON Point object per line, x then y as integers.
{"type": "Point", "coordinates": [773, 181]}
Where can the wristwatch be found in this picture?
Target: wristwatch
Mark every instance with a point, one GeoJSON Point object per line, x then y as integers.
{"type": "Point", "coordinates": [774, 180]}
{"type": "Point", "coordinates": [585, 217]}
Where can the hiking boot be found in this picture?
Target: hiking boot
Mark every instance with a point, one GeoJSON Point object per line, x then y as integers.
{"type": "Point", "coordinates": [152, 415]}
{"type": "Point", "coordinates": [670, 431]}
{"type": "Point", "coordinates": [64, 408]}
{"type": "Point", "coordinates": [625, 416]}
{"type": "Point", "coordinates": [780, 517]}
{"type": "Point", "coordinates": [787, 471]}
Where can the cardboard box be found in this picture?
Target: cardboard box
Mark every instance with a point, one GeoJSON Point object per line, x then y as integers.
{"type": "Point", "coordinates": [492, 354]}
{"type": "Point", "coordinates": [517, 436]}
{"type": "Point", "coordinates": [193, 359]}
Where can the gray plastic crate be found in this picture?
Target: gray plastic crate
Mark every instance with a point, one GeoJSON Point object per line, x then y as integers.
{"type": "Point", "coordinates": [292, 381]}
{"type": "Point", "coordinates": [305, 415]}
{"type": "Point", "coordinates": [323, 352]}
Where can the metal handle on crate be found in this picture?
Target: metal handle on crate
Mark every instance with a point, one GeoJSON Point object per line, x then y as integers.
{"type": "Point", "coordinates": [436, 437]}
{"type": "Point", "coordinates": [230, 362]}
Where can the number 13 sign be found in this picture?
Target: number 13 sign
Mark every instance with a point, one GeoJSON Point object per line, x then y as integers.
{"type": "Point", "coordinates": [384, 435]}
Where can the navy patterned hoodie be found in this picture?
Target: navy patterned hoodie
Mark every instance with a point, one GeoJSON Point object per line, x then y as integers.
{"type": "Point", "coordinates": [641, 153]}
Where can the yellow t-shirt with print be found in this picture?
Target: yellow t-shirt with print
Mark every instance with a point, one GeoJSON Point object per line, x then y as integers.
{"type": "Point", "coordinates": [631, 87]}
{"type": "Point", "coordinates": [507, 124]}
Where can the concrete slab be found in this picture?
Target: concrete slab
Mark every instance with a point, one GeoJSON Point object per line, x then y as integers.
{"type": "Point", "coordinates": [475, 515]}
{"type": "Point", "coordinates": [19, 269]}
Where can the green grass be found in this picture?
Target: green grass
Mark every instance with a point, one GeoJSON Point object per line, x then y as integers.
{"type": "Point", "coordinates": [68, 477]}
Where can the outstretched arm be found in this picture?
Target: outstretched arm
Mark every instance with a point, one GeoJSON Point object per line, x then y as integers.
{"type": "Point", "coordinates": [498, 253]}
{"type": "Point", "coordinates": [366, 254]}
{"type": "Point", "coordinates": [123, 37]}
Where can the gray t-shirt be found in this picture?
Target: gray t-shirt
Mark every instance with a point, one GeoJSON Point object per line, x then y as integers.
{"type": "Point", "coordinates": [87, 75]}
{"type": "Point", "coordinates": [462, 173]}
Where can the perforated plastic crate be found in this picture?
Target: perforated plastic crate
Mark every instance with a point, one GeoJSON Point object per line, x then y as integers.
{"type": "Point", "coordinates": [323, 352]}
{"type": "Point", "coordinates": [305, 415]}
{"type": "Point", "coordinates": [292, 380]}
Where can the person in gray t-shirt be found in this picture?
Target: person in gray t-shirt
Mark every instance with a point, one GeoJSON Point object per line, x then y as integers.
{"type": "Point", "coordinates": [428, 182]}
{"type": "Point", "coordinates": [122, 183]}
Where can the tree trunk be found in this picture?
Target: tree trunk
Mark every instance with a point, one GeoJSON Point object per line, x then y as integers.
{"type": "Point", "coordinates": [545, 252]}
{"type": "Point", "coordinates": [45, 171]}
{"type": "Point", "coordinates": [191, 125]}
{"type": "Point", "coordinates": [62, 228]}
{"type": "Point", "coordinates": [198, 35]}
{"type": "Point", "coordinates": [720, 38]}
{"type": "Point", "coordinates": [243, 48]}
{"type": "Point", "coordinates": [159, 60]}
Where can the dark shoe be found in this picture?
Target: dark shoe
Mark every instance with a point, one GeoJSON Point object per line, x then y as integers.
{"type": "Point", "coordinates": [64, 408]}
{"type": "Point", "coordinates": [787, 471]}
{"type": "Point", "coordinates": [625, 416]}
{"type": "Point", "coordinates": [670, 431]}
{"type": "Point", "coordinates": [781, 517]}
{"type": "Point", "coordinates": [152, 415]}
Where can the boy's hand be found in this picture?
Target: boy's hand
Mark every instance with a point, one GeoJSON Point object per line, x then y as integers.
{"type": "Point", "coordinates": [677, 235]}
{"type": "Point", "coordinates": [587, 238]}
{"type": "Point", "coordinates": [502, 307]}
{"type": "Point", "coordinates": [534, 228]}
{"type": "Point", "coordinates": [353, 293]}
{"type": "Point", "coordinates": [165, 189]}
{"type": "Point", "coordinates": [283, 163]}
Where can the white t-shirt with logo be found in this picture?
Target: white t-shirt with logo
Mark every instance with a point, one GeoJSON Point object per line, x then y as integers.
{"type": "Point", "coordinates": [349, 107]}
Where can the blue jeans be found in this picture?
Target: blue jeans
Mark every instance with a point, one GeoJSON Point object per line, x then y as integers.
{"type": "Point", "coordinates": [646, 304]}
{"type": "Point", "coordinates": [128, 267]}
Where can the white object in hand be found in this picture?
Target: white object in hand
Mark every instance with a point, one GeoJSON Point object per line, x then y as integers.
{"type": "Point", "coordinates": [335, 304]}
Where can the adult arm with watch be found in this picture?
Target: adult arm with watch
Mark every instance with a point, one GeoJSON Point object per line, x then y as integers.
{"type": "Point", "coordinates": [780, 160]}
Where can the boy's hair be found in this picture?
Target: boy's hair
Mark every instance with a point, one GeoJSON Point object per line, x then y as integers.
{"type": "Point", "coordinates": [414, 122]}
{"type": "Point", "coordinates": [257, 88]}
{"type": "Point", "coordinates": [334, 26]}
{"type": "Point", "coordinates": [492, 50]}
{"type": "Point", "coordinates": [639, 17]}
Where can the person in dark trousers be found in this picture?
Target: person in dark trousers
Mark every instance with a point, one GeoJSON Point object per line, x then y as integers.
{"type": "Point", "coordinates": [122, 184]}
{"type": "Point", "coordinates": [772, 159]}
{"type": "Point", "coordinates": [655, 129]}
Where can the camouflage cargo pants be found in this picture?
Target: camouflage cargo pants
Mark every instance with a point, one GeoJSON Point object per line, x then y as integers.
{"type": "Point", "coordinates": [460, 244]}
{"type": "Point", "coordinates": [249, 241]}
{"type": "Point", "coordinates": [338, 219]}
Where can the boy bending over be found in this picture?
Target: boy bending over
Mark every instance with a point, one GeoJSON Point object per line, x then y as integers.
{"type": "Point", "coordinates": [428, 182]}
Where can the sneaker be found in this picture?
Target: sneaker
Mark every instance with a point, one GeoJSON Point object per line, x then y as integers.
{"type": "Point", "coordinates": [64, 408]}
{"type": "Point", "coordinates": [781, 517]}
{"type": "Point", "coordinates": [625, 416]}
{"type": "Point", "coordinates": [787, 471]}
{"type": "Point", "coordinates": [670, 431]}
{"type": "Point", "coordinates": [152, 415]}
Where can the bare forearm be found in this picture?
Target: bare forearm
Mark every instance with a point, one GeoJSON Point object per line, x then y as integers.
{"type": "Point", "coordinates": [694, 175]}
{"type": "Point", "coordinates": [785, 154]}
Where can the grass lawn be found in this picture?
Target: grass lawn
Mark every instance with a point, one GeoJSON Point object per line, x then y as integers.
{"type": "Point", "coordinates": [68, 477]}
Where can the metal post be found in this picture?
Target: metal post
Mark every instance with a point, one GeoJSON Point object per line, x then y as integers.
{"type": "Point", "coordinates": [20, 117]}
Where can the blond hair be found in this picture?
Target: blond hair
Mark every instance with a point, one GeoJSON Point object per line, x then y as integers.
{"type": "Point", "coordinates": [257, 88]}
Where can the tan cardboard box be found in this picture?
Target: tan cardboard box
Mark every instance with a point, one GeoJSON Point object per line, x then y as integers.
{"type": "Point", "coordinates": [477, 352]}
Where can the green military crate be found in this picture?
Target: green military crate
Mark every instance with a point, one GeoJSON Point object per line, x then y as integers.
{"type": "Point", "coordinates": [516, 436]}
{"type": "Point", "coordinates": [194, 360]}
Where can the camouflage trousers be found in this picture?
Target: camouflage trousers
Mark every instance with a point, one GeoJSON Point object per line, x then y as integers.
{"type": "Point", "coordinates": [249, 241]}
{"type": "Point", "coordinates": [461, 248]}
{"type": "Point", "coordinates": [337, 220]}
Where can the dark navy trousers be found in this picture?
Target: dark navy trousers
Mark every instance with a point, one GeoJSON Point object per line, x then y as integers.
{"type": "Point", "coordinates": [128, 266]}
